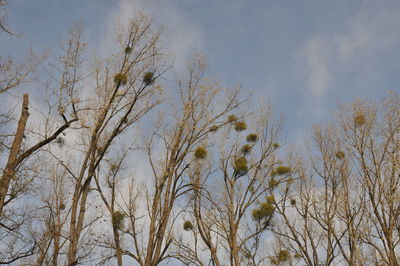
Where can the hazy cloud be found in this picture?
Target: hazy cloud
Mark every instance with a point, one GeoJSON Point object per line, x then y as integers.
{"type": "Point", "coordinates": [318, 74]}
{"type": "Point", "coordinates": [360, 47]}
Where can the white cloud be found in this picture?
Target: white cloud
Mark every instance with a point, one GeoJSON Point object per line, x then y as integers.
{"type": "Point", "coordinates": [372, 30]}
{"type": "Point", "coordinates": [356, 52]}
{"type": "Point", "coordinates": [317, 71]}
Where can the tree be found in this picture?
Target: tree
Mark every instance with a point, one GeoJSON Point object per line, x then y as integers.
{"type": "Point", "coordinates": [232, 201]}
{"type": "Point", "coordinates": [151, 231]}
{"type": "Point", "coordinates": [54, 217]}
{"type": "Point", "coordinates": [18, 149]}
{"type": "Point", "coordinates": [124, 91]}
{"type": "Point", "coordinates": [343, 206]}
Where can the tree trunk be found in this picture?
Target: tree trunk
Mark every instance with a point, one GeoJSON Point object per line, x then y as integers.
{"type": "Point", "coordinates": [78, 226]}
{"type": "Point", "coordinates": [9, 170]}
{"type": "Point", "coordinates": [118, 252]}
{"type": "Point", "coordinates": [56, 248]}
{"type": "Point", "coordinates": [233, 226]}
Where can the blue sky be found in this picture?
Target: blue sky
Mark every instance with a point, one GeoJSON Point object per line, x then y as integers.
{"type": "Point", "coordinates": [304, 55]}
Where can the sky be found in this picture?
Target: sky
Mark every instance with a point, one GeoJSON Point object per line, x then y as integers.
{"type": "Point", "coordinates": [304, 56]}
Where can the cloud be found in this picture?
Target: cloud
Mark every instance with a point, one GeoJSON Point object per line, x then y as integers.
{"type": "Point", "coordinates": [182, 36]}
{"type": "Point", "coordinates": [349, 59]}
{"type": "Point", "coordinates": [318, 75]}
{"type": "Point", "coordinates": [372, 30]}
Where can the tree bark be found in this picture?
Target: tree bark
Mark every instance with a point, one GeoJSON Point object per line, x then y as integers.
{"type": "Point", "coordinates": [9, 171]}
{"type": "Point", "coordinates": [118, 251]}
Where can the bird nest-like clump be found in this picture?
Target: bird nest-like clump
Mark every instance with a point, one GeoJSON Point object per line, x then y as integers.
{"type": "Point", "coordinates": [128, 50]}
{"type": "Point", "coordinates": [240, 126]}
{"type": "Point", "coordinates": [240, 166]}
{"type": "Point", "coordinates": [252, 137]}
{"type": "Point", "coordinates": [359, 120]}
{"type": "Point", "coordinates": [188, 226]}
{"type": "Point", "coordinates": [283, 256]}
{"type": "Point", "coordinates": [270, 198]}
{"type": "Point", "coordinates": [148, 78]}
{"type": "Point", "coordinates": [281, 170]}
{"type": "Point", "coordinates": [245, 149]}
{"type": "Point", "coordinates": [200, 153]}
{"type": "Point", "coordinates": [340, 155]}
{"type": "Point", "coordinates": [265, 210]}
{"type": "Point", "coordinates": [118, 219]}
{"type": "Point", "coordinates": [272, 183]}
{"type": "Point", "coordinates": [120, 78]}
{"type": "Point", "coordinates": [232, 118]}
{"type": "Point", "coordinates": [292, 202]}
{"type": "Point", "coordinates": [60, 141]}
{"type": "Point", "coordinates": [213, 128]}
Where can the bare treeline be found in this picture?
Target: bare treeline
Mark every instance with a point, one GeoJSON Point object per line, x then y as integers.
{"type": "Point", "coordinates": [121, 166]}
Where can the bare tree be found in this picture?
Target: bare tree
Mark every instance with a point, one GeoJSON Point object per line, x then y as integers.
{"type": "Point", "coordinates": [106, 101]}
{"type": "Point", "coordinates": [191, 127]}
{"type": "Point", "coordinates": [54, 216]}
{"type": "Point", "coordinates": [372, 138]}
{"type": "Point", "coordinates": [170, 151]}
{"type": "Point", "coordinates": [343, 206]}
{"type": "Point", "coordinates": [18, 150]}
{"type": "Point", "coordinates": [232, 197]}
{"type": "Point", "coordinates": [318, 218]}
{"type": "Point", "coordinates": [110, 185]}
{"type": "Point", "coordinates": [123, 93]}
